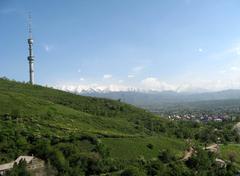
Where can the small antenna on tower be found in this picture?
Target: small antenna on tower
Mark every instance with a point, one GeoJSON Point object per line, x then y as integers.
{"type": "Point", "coordinates": [30, 24]}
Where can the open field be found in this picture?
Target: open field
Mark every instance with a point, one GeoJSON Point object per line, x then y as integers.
{"type": "Point", "coordinates": [231, 150]}
{"type": "Point", "coordinates": [133, 148]}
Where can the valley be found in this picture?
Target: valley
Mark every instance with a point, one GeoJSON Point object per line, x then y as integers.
{"type": "Point", "coordinates": [105, 136]}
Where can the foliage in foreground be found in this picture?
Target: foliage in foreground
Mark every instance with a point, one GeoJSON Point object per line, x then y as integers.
{"type": "Point", "coordinates": [81, 135]}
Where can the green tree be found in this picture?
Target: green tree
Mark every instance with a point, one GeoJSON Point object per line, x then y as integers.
{"type": "Point", "coordinates": [132, 171]}
{"type": "Point", "coordinates": [166, 156]}
{"type": "Point", "coordinates": [156, 168]}
{"type": "Point", "coordinates": [18, 170]}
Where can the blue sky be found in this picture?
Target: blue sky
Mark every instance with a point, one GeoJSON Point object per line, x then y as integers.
{"type": "Point", "coordinates": [159, 44]}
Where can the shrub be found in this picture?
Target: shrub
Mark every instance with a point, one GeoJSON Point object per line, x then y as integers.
{"type": "Point", "coordinates": [166, 156]}
{"type": "Point", "coordinates": [150, 146]}
{"type": "Point", "coordinates": [132, 171]}
{"type": "Point", "coordinates": [18, 170]}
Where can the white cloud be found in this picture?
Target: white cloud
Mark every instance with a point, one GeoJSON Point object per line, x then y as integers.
{"type": "Point", "coordinates": [152, 83]}
{"type": "Point", "coordinates": [234, 50]}
{"type": "Point", "coordinates": [107, 76]}
{"type": "Point", "coordinates": [200, 50]}
{"type": "Point", "coordinates": [231, 53]}
{"type": "Point", "coordinates": [130, 76]}
{"type": "Point", "coordinates": [47, 47]}
{"type": "Point", "coordinates": [234, 68]}
{"type": "Point", "coordinates": [82, 79]}
{"type": "Point", "coordinates": [137, 69]}
{"type": "Point", "coordinates": [226, 80]}
{"type": "Point", "coordinates": [223, 71]}
{"type": "Point", "coordinates": [227, 77]}
{"type": "Point", "coordinates": [228, 71]}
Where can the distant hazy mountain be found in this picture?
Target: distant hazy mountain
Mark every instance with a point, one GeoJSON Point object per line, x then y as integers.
{"type": "Point", "coordinates": [151, 98]}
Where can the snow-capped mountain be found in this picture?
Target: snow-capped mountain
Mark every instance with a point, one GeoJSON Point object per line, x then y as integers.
{"type": "Point", "coordinates": [141, 97]}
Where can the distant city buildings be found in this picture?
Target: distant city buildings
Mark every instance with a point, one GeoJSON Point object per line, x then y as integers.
{"type": "Point", "coordinates": [202, 118]}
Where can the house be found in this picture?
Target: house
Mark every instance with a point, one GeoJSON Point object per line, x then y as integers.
{"type": "Point", "coordinates": [5, 167]}
{"type": "Point", "coordinates": [32, 162]}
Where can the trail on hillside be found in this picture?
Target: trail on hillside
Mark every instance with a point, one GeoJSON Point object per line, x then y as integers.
{"type": "Point", "coordinates": [188, 154]}
{"type": "Point", "coordinates": [212, 148]}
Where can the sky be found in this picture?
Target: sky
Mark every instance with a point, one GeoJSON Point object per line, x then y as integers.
{"type": "Point", "coordinates": [179, 45]}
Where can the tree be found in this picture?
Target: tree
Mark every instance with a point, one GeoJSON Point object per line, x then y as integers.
{"type": "Point", "coordinates": [232, 157]}
{"type": "Point", "coordinates": [132, 171]}
{"type": "Point", "coordinates": [201, 161]}
{"type": "Point", "coordinates": [58, 160]}
{"type": "Point", "coordinates": [156, 168]}
{"type": "Point", "coordinates": [179, 169]}
{"type": "Point", "coordinates": [166, 156]}
{"type": "Point", "coordinates": [18, 169]}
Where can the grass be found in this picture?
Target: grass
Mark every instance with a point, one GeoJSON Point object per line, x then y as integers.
{"type": "Point", "coordinates": [50, 108]}
{"type": "Point", "coordinates": [133, 148]}
{"type": "Point", "coordinates": [49, 113]}
{"type": "Point", "coordinates": [230, 149]}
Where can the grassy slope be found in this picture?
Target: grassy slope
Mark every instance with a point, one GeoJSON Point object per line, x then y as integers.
{"type": "Point", "coordinates": [67, 111]}
{"type": "Point", "coordinates": [132, 148]}
{"type": "Point", "coordinates": [231, 149]}
{"type": "Point", "coordinates": [58, 116]}
{"type": "Point", "coordinates": [45, 111]}
{"type": "Point", "coordinates": [95, 106]}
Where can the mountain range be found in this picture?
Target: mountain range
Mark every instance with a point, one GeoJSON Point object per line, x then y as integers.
{"type": "Point", "coordinates": [155, 98]}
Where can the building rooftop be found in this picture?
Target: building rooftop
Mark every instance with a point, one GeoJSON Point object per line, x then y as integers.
{"type": "Point", "coordinates": [10, 165]}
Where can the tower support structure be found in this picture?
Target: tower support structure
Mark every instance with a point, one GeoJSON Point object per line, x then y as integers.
{"type": "Point", "coordinates": [30, 56]}
{"type": "Point", "coordinates": [31, 62]}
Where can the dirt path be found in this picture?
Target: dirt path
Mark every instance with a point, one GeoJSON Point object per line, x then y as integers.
{"type": "Point", "coordinates": [212, 148]}
{"type": "Point", "coordinates": [188, 154]}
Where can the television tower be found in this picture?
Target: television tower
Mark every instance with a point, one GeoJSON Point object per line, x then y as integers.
{"type": "Point", "coordinates": [30, 49]}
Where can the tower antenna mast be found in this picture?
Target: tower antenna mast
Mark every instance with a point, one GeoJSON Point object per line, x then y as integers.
{"type": "Point", "coordinates": [30, 49]}
{"type": "Point", "coordinates": [30, 24]}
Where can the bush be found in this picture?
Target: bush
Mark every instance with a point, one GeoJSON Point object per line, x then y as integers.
{"type": "Point", "coordinates": [166, 156]}
{"type": "Point", "coordinates": [150, 146]}
{"type": "Point", "coordinates": [18, 170]}
{"type": "Point", "coordinates": [132, 171]}
{"type": "Point", "coordinates": [156, 168]}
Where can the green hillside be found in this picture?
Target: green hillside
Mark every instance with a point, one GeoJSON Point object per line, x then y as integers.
{"type": "Point", "coordinates": [33, 116]}
{"type": "Point", "coordinates": [77, 135]}
{"type": "Point", "coordinates": [132, 148]}
{"type": "Point", "coordinates": [65, 112]}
